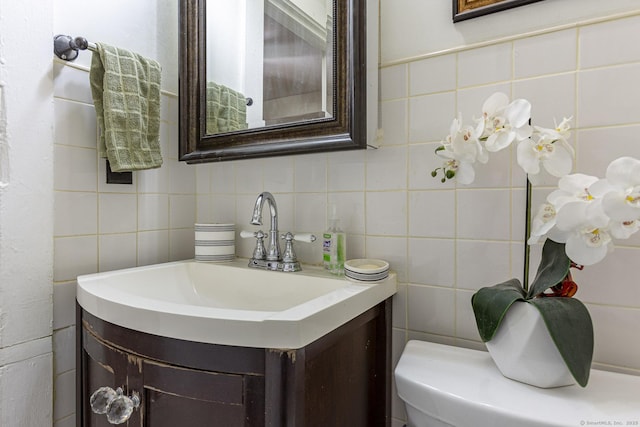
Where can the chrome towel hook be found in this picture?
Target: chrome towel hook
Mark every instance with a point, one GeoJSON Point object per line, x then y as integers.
{"type": "Point", "coordinates": [66, 48]}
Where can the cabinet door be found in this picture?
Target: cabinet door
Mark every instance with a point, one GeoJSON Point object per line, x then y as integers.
{"type": "Point", "coordinates": [106, 366]}
{"type": "Point", "coordinates": [177, 396]}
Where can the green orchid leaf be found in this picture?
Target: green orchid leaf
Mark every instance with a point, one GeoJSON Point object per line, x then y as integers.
{"type": "Point", "coordinates": [553, 267]}
{"type": "Point", "coordinates": [490, 305]}
{"type": "Point", "coordinates": [571, 329]}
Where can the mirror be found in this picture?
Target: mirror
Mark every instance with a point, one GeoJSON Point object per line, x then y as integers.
{"type": "Point", "coordinates": [271, 77]}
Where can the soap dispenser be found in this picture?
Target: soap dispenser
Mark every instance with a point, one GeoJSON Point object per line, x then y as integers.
{"type": "Point", "coordinates": [334, 245]}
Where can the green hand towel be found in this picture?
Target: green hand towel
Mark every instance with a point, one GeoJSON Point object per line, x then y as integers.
{"type": "Point", "coordinates": [226, 109]}
{"type": "Point", "coordinates": [126, 94]}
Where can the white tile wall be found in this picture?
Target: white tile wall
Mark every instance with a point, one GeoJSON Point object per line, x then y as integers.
{"type": "Point", "coordinates": [346, 171]}
{"type": "Point", "coordinates": [75, 168]}
{"type": "Point", "coordinates": [153, 211]}
{"type": "Point", "coordinates": [117, 251]}
{"type": "Point", "coordinates": [596, 147]}
{"type": "Point", "coordinates": [482, 263]}
{"type": "Point", "coordinates": [542, 92]}
{"type": "Point", "coordinates": [425, 218]}
{"type": "Point", "coordinates": [102, 227]}
{"type": "Point", "coordinates": [431, 309]}
{"type": "Point", "coordinates": [386, 213]}
{"type": "Point", "coordinates": [75, 213]}
{"type": "Point", "coordinates": [441, 72]}
{"type": "Point", "coordinates": [485, 65]}
{"type": "Point", "coordinates": [605, 97]}
{"type": "Point", "coordinates": [431, 262]}
{"type": "Point", "coordinates": [396, 82]}
{"type": "Point", "coordinates": [74, 256]}
{"type": "Point", "coordinates": [117, 213]}
{"type": "Point", "coordinates": [447, 241]}
{"type": "Point", "coordinates": [465, 319]}
{"type": "Point", "coordinates": [444, 242]}
{"type": "Point", "coordinates": [351, 213]}
{"type": "Point", "coordinates": [310, 173]}
{"type": "Point", "coordinates": [430, 116]}
{"type": "Point", "coordinates": [64, 404]}
{"type": "Point", "coordinates": [609, 43]}
{"type": "Point", "coordinates": [482, 214]}
{"type": "Point", "coordinates": [387, 168]}
{"type": "Point", "coordinates": [277, 178]}
{"type": "Point", "coordinates": [559, 46]}
{"type": "Point", "coordinates": [153, 247]}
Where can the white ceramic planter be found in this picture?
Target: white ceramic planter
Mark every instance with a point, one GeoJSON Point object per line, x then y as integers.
{"type": "Point", "coordinates": [524, 351]}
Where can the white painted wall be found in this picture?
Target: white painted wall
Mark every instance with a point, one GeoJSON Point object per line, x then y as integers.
{"type": "Point", "coordinates": [26, 212]}
{"type": "Point", "coordinates": [149, 28]}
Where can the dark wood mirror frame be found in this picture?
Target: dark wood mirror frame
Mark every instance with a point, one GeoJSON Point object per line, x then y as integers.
{"type": "Point", "coordinates": [346, 130]}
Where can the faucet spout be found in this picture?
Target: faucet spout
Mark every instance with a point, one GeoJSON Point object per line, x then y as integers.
{"type": "Point", "coordinates": [273, 253]}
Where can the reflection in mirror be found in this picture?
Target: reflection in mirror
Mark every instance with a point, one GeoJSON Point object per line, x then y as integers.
{"type": "Point", "coordinates": [269, 62]}
{"type": "Point", "coordinates": [276, 77]}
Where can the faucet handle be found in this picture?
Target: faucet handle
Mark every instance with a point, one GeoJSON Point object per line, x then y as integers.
{"type": "Point", "coordinates": [301, 237]}
{"type": "Point", "coordinates": [259, 252]}
{"type": "Point", "coordinates": [246, 234]}
{"type": "Point", "coordinates": [289, 258]}
{"type": "Point", "coordinates": [304, 237]}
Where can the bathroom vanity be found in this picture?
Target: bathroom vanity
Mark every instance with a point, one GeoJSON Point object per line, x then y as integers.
{"type": "Point", "coordinates": [341, 378]}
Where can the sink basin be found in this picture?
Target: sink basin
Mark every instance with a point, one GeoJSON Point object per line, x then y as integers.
{"type": "Point", "coordinates": [229, 303]}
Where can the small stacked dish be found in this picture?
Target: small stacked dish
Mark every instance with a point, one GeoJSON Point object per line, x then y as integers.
{"type": "Point", "coordinates": [215, 242]}
{"type": "Point", "coordinates": [366, 270]}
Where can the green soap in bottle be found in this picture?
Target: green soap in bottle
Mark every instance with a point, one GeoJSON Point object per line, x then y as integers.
{"type": "Point", "coordinates": [334, 246]}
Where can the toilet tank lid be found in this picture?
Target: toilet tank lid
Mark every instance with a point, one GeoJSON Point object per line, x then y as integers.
{"type": "Point", "coordinates": [461, 386]}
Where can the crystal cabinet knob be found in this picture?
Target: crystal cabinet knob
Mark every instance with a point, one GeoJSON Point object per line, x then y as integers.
{"type": "Point", "coordinates": [121, 408]}
{"type": "Point", "coordinates": [101, 398]}
{"type": "Point", "coordinates": [117, 407]}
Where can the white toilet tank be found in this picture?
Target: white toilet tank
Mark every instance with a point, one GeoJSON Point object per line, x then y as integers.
{"type": "Point", "coordinates": [451, 386]}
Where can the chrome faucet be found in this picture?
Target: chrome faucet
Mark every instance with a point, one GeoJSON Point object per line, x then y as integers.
{"type": "Point", "coordinates": [272, 258]}
{"type": "Point", "coordinates": [273, 253]}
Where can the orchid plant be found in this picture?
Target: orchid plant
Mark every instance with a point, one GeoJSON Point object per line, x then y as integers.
{"type": "Point", "coordinates": [502, 123]}
{"type": "Point", "coordinates": [580, 219]}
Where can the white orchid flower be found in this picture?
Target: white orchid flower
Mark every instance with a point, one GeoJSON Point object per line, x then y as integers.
{"type": "Point", "coordinates": [572, 188]}
{"type": "Point", "coordinates": [465, 143]}
{"type": "Point", "coordinates": [560, 131]}
{"type": "Point", "coordinates": [589, 238]}
{"type": "Point", "coordinates": [624, 229]}
{"type": "Point", "coordinates": [461, 149]}
{"type": "Point", "coordinates": [584, 212]}
{"type": "Point", "coordinates": [549, 148]}
{"type": "Point", "coordinates": [459, 167]}
{"type": "Point", "coordinates": [555, 155]}
{"type": "Point", "coordinates": [503, 122]}
{"type": "Point", "coordinates": [564, 126]}
{"type": "Point", "coordinates": [588, 247]}
{"type": "Point", "coordinates": [622, 202]}
{"type": "Point", "coordinates": [574, 215]}
{"type": "Point", "coordinates": [542, 223]}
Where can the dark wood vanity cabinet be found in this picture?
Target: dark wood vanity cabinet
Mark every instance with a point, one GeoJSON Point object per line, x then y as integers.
{"type": "Point", "coordinates": [341, 379]}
